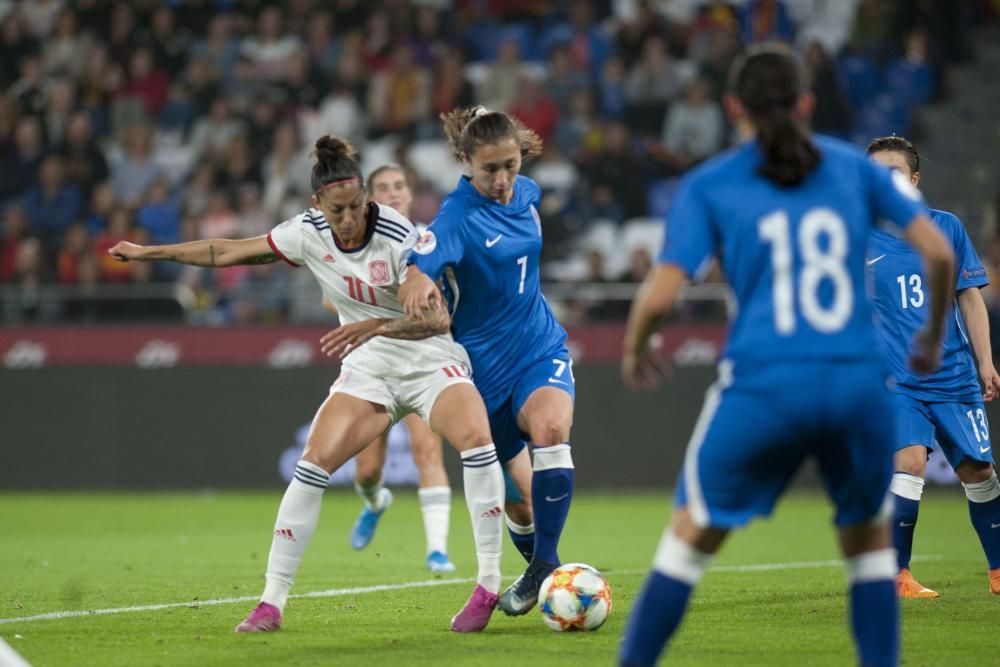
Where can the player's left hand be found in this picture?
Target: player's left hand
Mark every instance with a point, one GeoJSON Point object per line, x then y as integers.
{"type": "Point", "coordinates": [990, 380]}
{"type": "Point", "coordinates": [346, 338]}
{"type": "Point", "coordinates": [643, 371]}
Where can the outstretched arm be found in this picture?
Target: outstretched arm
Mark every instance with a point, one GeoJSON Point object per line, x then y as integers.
{"type": "Point", "coordinates": [210, 252]}
{"type": "Point", "coordinates": [432, 321]}
{"type": "Point", "coordinates": [977, 323]}
{"type": "Point", "coordinates": [655, 300]}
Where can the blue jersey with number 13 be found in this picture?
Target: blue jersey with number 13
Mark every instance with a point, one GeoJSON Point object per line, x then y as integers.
{"type": "Point", "coordinates": [795, 257]}
{"type": "Point", "coordinates": [487, 255]}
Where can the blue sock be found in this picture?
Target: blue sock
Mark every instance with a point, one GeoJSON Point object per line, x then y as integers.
{"type": "Point", "coordinates": [654, 618]}
{"type": "Point", "coordinates": [874, 608]}
{"type": "Point", "coordinates": [658, 611]}
{"type": "Point", "coordinates": [984, 511]}
{"type": "Point", "coordinates": [524, 543]}
{"type": "Point", "coordinates": [551, 494]}
{"type": "Point", "coordinates": [906, 491]}
{"type": "Point", "coordinates": [904, 522]}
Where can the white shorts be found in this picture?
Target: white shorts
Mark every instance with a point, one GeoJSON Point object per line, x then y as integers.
{"type": "Point", "coordinates": [415, 393]}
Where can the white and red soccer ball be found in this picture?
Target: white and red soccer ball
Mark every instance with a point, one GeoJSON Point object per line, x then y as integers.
{"type": "Point", "coordinates": [575, 597]}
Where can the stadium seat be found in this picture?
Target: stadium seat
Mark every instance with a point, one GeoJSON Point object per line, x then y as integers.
{"type": "Point", "coordinates": [643, 233]}
{"type": "Point", "coordinates": [434, 162]}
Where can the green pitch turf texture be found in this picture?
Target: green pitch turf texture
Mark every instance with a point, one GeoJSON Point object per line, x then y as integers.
{"type": "Point", "coordinates": [71, 552]}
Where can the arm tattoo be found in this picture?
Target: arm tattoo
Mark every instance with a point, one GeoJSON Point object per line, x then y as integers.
{"type": "Point", "coordinates": [266, 258]}
{"type": "Point", "coordinates": [434, 322]}
{"type": "Point", "coordinates": [211, 254]}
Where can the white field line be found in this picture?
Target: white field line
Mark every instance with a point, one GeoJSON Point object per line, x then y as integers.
{"type": "Point", "coordinates": [364, 590]}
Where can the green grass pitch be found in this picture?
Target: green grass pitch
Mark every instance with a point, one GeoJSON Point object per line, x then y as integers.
{"type": "Point", "coordinates": [71, 552]}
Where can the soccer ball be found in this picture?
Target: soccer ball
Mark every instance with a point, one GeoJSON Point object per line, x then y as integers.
{"type": "Point", "coordinates": [575, 597]}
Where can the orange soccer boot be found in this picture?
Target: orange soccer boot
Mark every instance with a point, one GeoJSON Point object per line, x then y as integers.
{"type": "Point", "coordinates": [995, 581]}
{"type": "Point", "coordinates": [908, 587]}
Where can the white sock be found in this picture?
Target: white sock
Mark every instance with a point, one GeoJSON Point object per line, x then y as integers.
{"type": "Point", "coordinates": [484, 494]}
{"type": "Point", "coordinates": [298, 515]}
{"type": "Point", "coordinates": [678, 559]}
{"type": "Point", "coordinates": [373, 495]}
{"type": "Point", "coordinates": [435, 503]}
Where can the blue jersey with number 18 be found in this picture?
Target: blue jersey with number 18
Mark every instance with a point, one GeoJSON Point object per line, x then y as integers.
{"type": "Point", "coordinates": [795, 257]}
{"type": "Point", "coordinates": [487, 255]}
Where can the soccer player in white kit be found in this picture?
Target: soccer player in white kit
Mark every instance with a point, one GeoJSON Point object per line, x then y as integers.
{"type": "Point", "coordinates": [357, 250]}
{"type": "Point", "coordinates": [387, 185]}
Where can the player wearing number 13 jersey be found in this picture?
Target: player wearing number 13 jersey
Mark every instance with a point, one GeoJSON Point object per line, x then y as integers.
{"type": "Point", "coordinates": [788, 216]}
{"type": "Point", "coordinates": [944, 409]}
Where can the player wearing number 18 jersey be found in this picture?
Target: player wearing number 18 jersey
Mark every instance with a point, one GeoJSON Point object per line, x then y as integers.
{"type": "Point", "coordinates": [788, 215]}
{"type": "Point", "coordinates": [944, 409]}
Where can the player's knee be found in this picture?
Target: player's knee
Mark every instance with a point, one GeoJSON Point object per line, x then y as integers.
{"type": "Point", "coordinates": [470, 436]}
{"type": "Point", "coordinates": [426, 452]}
{"type": "Point", "coordinates": [974, 472]}
{"type": "Point", "coordinates": [548, 430]}
{"type": "Point", "coordinates": [519, 513]}
{"type": "Point", "coordinates": [315, 455]}
{"type": "Point", "coordinates": [912, 461]}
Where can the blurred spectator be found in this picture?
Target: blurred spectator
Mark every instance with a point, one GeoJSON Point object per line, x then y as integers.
{"type": "Point", "coordinates": [169, 44]}
{"type": "Point", "coordinates": [75, 246]}
{"type": "Point", "coordinates": [86, 165]}
{"type": "Point", "coordinates": [199, 189]}
{"type": "Point", "coordinates": [635, 29]}
{"type": "Point", "coordinates": [562, 80]}
{"type": "Point", "coordinates": [616, 178]}
{"type": "Point", "coordinates": [720, 52]}
{"type": "Point", "coordinates": [535, 108]}
{"type": "Point", "coordinates": [136, 167]}
{"type": "Point", "coordinates": [98, 80]}
{"type": "Point", "coordinates": [285, 171]}
{"type": "Point", "coordinates": [271, 48]}
{"type": "Point", "coordinates": [399, 97]}
{"type": "Point", "coordinates": [145, 83]}
{"type": "Point", "coordinates": [499, 87]}
{"type": "Point", "coordinates": [639, 266]}
{"type": "Point", "coordinates": [121, 41]}
{"type": "Point", "coordinates": [30, 274]}
{"type": "Point", "coordinates": [160, 214]}
{"type": "Point", "coordinates": [588, 47]}
{"type": "Point", "coordinates": [428, 41]}
{"type": "Point", "coordinates": [212, 134]}
{"type": "Point", "coordinates": [239, 167]}
{"type": "Point", "coordinates": [61, 102]}
{"type": "Point", "coordinates": [66, 49]}
{"type": "Point", "coordinates": [218, 220]}
{"type": "Point", "coordinates": [377, 44]}
{"type": "Point", "coordinates": [833, 113]}
{"type": "Point", "coordinates": [578, 134]}
{"type": "Point", "coordinates": [322, 45]}
{"type": "Point", "coordinates": [29, 90]}
{"type": "Point", "coordinates": [119, 229]}
{"type": "Point", "coordinates": [15, 45]}
{"type": "Point", "coordinates": [252, 219]}
{"type": "Point", "coordinates": [611, 89]}
{"type": "Point", "coordinates": [219, 49]}
{"type": "Point", "coordinates": [261, 295]}
{"type": "Point", "coordinates": [341, 113]}
{"type": "Point", "coordinates": [102, 203]}
{"type": "Point", "coordinates": [39, 16]}
{"type": "Point", "coordinates": [52, 204]}
{"type": "Point", "coordinates": [766, 20]}
{"type": "Point", "coordinates": [303, 84]}
{"type": "Point", "coordinates": [451, 89]}
{"type": "Point", "coordinates": [20, 164]}
{"type": "Point", "coordinates": [649, 87]}
{"type": "Point", "coordinates": [15, 230]}
{"type": "Point", "coordinates": [693, 129]}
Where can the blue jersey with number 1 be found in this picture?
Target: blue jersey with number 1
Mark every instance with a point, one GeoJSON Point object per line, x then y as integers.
{"type": "Point", "coordinates": [795, 257]}
{"type": "Point", "coordinates": [900, 300]}
{"type": "Point", "coordinates": [487, 255]}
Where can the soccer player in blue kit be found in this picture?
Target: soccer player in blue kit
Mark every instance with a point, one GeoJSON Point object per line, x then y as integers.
{"type": "Point", "coordinates": [789, 216]}
{"type": "Point", "coordinates": [946, 408]}
{"type": "Point", "coordinates": [484, 245]}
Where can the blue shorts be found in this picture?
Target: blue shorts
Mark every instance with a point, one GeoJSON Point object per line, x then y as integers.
{"type": "Point", "coordinates": [554, 370]}
{"type": "Point", "coordinates": [759, 425]}
{"type": "Point", "coordinates": [960, 429]}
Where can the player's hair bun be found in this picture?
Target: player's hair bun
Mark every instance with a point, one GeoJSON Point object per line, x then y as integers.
{"type": "Point", "coordinates": [332, 147]}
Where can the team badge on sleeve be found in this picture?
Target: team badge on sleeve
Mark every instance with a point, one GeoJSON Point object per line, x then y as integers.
{"type": "Point", "coordinates": [378, 272]}
{"type": "Point", "coordinates": [426, 244]}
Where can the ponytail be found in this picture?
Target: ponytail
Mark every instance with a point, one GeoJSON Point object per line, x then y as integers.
{"type": "Point", "coordinates": [336, 161]}
{"type": "Point", "coordinates": [468, 129]}
{"type": "Point", "coordinates": [768, 82]}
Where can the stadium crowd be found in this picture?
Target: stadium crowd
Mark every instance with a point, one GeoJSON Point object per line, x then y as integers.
{"type": "Point", "coordinates": [167, 121]}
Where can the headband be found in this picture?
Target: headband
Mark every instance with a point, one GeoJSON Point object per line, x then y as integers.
{"type": "Point", "coordinates": [337, 182]}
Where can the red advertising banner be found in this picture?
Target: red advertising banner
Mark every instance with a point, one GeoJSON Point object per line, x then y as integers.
{"type": "Point", "coordinates": [281, 347]}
